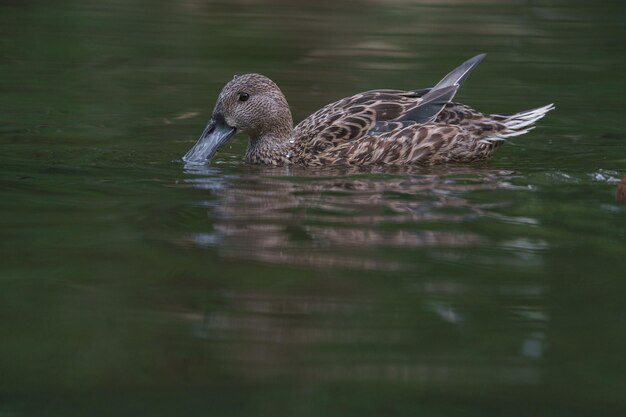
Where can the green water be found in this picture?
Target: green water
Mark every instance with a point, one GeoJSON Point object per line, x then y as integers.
{"type": "Point", "coordinates": [131, 285]}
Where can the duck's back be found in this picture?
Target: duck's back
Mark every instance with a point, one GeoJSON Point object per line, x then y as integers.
{"type": "Point", "coordinates": [353, 117]}
{"type": "Point", "coordinates": [399, 127]}
{"type": "Point", "coordinates": [373, 118]}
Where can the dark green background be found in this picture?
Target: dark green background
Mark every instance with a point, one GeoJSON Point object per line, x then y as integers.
{"type": "Point", "coordinates": [131, 285]}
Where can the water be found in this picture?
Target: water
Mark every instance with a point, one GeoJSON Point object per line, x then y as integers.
{"type": "Point", "coordinates": [131, 285]}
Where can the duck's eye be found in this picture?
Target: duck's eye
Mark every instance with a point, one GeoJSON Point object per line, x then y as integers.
{"type": "Point", "coordinates": [244, 96]}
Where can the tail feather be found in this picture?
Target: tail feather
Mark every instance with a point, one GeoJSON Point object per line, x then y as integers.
{"type": "Point", "coordinates": [518, 124]}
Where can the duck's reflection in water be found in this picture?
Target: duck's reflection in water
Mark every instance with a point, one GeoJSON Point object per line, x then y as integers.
{"type": "Point", "coordinates": [344, 217]}
{"type": "Point", "coordinates": [313, 338]}
{"type": "Point", "coordinates": [433, 330]}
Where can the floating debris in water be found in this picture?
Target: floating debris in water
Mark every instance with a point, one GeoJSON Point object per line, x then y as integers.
{"type": "Point", "coordinates": [605, 176]}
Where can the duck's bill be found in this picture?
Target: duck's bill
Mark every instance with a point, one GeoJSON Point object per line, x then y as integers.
{"type": "Point", "coordinates": [215, 135]}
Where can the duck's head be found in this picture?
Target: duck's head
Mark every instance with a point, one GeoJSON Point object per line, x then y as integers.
{"type": "Point", "coordinates": [252, 104]}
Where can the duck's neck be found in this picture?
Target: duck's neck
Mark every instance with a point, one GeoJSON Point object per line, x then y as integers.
{"type": "Point", "coordinates": [272, 147]}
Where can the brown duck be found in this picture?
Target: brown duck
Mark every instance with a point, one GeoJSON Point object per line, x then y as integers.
{"type": "Point", "coordinates": [390, 127]}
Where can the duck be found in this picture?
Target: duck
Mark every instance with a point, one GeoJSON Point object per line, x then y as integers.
{"type": "Point", "coordinates": [377, 127]}
{"type": "Point", "coordinates": [620, 194]}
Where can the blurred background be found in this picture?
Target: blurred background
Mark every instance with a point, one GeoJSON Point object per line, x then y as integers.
{"type": "Point", "coordinates": [132, 285]}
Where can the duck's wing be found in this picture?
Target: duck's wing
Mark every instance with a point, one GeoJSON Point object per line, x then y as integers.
{"type": "Point", "coordinates": [378, 112]}
{"type": "Point", "coordinates": [458, 75]}
{"type": "Point", "coordinates": [361, 109]}
{"type": "Point", "coordinates": [459, 134]}
{"type": "Point", "coordinates": [371, 113]}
